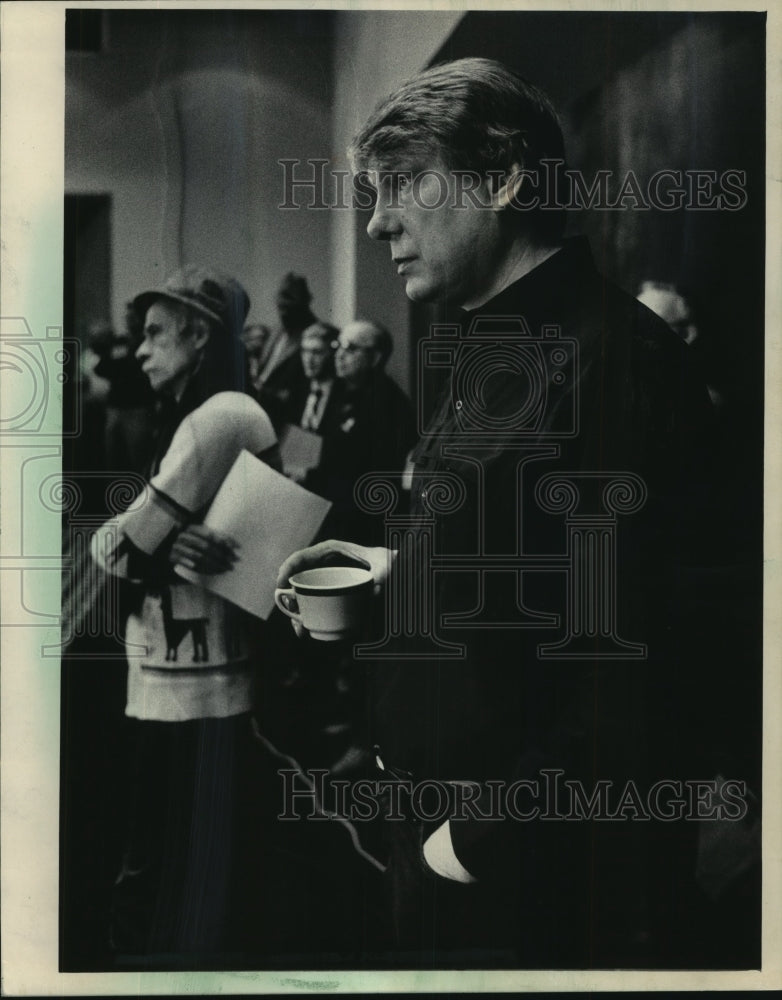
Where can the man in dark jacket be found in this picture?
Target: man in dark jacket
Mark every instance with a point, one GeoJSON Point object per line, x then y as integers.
{"type": "Point", "coordinates": [303, 393]}
{"type": "Point", "coordinates": [539, 665]}
{"type": "Point", "coordinates": [293, 308]}
{"type": "Point", "coordinates": [369, 427]}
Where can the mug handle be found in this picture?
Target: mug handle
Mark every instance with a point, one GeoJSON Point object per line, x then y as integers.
{"type": "Point", "coordinates": [281, 594]}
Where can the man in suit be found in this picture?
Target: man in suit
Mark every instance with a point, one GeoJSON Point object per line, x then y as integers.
{"type": "Point", "coordinates": [304, 395]}
{"type": "Point", "coordinates": [370, 427]}
{"type": "Point", "coordinates": [256, 338]}
{"type": "Point", "coordinates": [317, 362]}
{"type": "Point", "coordinates": [309, 398]}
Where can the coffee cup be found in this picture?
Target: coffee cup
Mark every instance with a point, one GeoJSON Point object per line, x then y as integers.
{"type": "Point", "coordinates": [331, 602]}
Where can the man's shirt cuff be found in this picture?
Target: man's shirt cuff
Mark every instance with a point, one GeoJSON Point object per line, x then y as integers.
{"type": "Point", "coordinates": [441, 858]}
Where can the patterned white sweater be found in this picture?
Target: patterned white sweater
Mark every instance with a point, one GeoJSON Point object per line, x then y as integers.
{"type": "Point", "coordinates": [187, 649]}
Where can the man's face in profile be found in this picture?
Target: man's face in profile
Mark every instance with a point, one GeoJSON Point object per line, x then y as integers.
{"type": "Point", "coordinates": [169, 352]}
{"type": "Point", "coordinates": [356, 353]}
{"type": "Point", "coordinates": [445, 243]}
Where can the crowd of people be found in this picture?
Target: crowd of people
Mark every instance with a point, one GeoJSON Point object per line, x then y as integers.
{"type": "Point", "coordinates": [222, 707]}
{"type": "Point", "coordinates": [304, 372]}
{"type": "Point", "coordinates": [189, 883]}
{"type": "Point", "coordinates": [179, 393]}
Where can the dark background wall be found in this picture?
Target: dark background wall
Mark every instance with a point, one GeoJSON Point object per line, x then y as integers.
{"type": "Point", "coordinates": [692, 101]}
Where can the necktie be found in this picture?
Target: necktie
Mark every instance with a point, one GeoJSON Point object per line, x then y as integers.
{"type": "Point", "coordinates": [311, 416]}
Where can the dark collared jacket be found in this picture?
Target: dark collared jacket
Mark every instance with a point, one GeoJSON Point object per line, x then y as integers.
{"type": "Point", "coordinates": [581, 438]}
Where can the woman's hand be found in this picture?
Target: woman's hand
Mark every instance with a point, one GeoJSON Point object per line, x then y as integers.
{"type": "Point", "coordinates": [204, 550]}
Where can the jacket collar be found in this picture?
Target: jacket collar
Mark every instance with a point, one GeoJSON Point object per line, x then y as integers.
{"type": "Point", "coordinates": [544, 285]}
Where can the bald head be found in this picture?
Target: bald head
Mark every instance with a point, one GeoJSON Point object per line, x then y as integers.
{"type": "Point", "coordinates": [363, 347]}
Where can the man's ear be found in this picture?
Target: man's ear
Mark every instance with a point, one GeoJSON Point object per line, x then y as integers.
{"type": "Point", "coordinates": [201, 332]}
{"type": "Point", "coordinates": [508, 192]}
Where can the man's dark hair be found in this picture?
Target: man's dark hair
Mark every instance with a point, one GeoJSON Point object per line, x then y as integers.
{"type": "Point", "coordinates": [475, 114]}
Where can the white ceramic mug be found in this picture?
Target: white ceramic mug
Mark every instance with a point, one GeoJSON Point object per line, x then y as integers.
{"type": "Point", "coordinates": [331, 601]}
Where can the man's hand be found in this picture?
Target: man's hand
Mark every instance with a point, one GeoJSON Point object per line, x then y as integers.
{"type": "Point", "coordinates": [336, 553]}
{"type": "Point", "coordinates": [204, 551]}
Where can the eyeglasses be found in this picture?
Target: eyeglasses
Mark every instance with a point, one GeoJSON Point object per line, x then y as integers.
{"type": "Point", "coordinates": [350, 348]}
